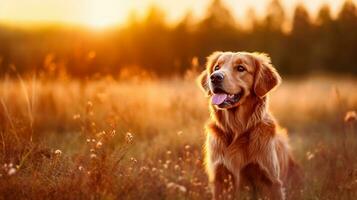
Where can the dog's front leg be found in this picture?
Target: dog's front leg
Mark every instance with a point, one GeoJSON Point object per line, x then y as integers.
{"type": "Point", "coordinates": [270, 165]}
{"type": "Point", "coordinates": [223, 183]}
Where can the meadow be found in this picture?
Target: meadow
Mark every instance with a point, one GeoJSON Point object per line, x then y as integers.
{"type": "Point", "coordinates": [103, 138]}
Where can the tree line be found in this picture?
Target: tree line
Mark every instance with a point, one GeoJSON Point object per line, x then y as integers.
{"type": "Point", "coordinates": [326, 44]}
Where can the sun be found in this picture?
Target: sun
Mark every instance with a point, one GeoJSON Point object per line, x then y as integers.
{"type": "Point", "coordinates": [99, 22]}
{"type": "Point", "coordinates": [102, 14]}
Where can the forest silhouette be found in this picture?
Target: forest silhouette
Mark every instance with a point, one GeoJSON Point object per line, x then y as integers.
{"type": "Point", "coordinates": [326, 44]}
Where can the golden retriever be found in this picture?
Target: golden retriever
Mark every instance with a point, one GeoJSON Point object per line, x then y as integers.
{"type": "Point", "coordinates": [244, 142]}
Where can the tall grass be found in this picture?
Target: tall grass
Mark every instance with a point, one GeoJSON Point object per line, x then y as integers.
{"type": "Point", "coordinates": [108, 139]}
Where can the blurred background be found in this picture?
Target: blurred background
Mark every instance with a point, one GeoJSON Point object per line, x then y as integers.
{"type": "Point", "coordinates": [85, 38]}
{"type": "Point", "coordinates": [98, 97]}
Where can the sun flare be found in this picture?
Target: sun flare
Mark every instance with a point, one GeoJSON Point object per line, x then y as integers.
{"type": "Point", "coordinates": [99, 22]}
{"type": "Point", "coordinates": [107, 13]}
{"type": "Point", "coordinates": [103, 14]}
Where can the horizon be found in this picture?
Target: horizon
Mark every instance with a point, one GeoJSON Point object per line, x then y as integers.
{"type": "Point", "coordinates": [110, 13]}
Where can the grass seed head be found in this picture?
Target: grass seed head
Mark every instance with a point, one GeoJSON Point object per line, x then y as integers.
{"type": "Point", "coordinates": [351, 116]}
{"type": "Point", "coordinates": [11, 171]}
{"type": "Point", "coordinates": [129, 137]}
{"type": "Point", "coordinates": [58, 152]}
{"type": "Point", "coordinates": [99, 144]}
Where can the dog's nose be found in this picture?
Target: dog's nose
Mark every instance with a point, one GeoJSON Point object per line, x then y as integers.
{"type": "Point", "coordinates": [216, 78]}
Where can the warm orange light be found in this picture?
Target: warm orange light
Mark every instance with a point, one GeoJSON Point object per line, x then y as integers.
{"type": "Point", "coordinates": [106, 13]}
{"type": "Point", "coordinates": [102, 14]}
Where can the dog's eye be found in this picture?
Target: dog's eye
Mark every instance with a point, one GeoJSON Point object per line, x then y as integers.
{"type": "Point", "coordinates": [216, 68]}
{"type": "Point", "coordinates": [240, 68]}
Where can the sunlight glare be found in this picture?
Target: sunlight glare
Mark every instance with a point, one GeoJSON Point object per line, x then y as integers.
{"type": "Point", "coordinates": [102, 14]}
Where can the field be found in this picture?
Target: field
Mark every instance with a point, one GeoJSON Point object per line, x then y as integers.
{"type": "Point", "coordinates": [109, 139]}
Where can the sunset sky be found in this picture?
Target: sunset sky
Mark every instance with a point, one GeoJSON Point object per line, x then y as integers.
{"type": "Point", "coordinates": [106, 13]}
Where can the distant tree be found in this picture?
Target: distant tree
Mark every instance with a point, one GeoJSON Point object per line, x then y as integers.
{"type": "Point", "coordinates": [345, 40]}
{"type": "Point", "coordinates": [5, 50]}
{"type": "Point", "coordinates": [153, 43]}
{"type": "Point", "coordinates": [217, 31]}
{"type": "Point", "coordinates": [300, 43]}
{"type": "Point", "coordinates": [324, 15]}
{"type": "Point", "coordinates": [275, 16]}
{"type": "Point", "coordinates": [252, 19]}
{"type": "Point", "coordinates": [325, 33]}
{"type": "Point", "coordinates": [301, 20]}
{"type": "Point", "coordinates": [183, 43]}
{"type": "Point", "coordinates": [267, 35]}
{"type": "Point", "coordinates": [348, 13]}
{"type": "Point", "coordinates": [218, 16]}
{"type": "Point", "coordinates": [155, 17]}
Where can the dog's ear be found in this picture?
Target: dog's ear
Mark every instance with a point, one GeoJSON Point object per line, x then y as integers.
{"type": "Point", "coordinates": [266, 76]}
{"type": "Point", "coordinates": [202, 81]}
{"type": "Point", "coordinates": [203, 77]}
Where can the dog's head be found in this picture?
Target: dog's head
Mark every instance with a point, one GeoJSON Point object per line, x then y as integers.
{"type": "Point", "coordinates": [230, 78]}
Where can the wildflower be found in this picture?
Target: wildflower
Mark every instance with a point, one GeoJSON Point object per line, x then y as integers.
{"type": "Point", "coordinates": [351, 116]}
{"type": "Point", "coordinates": [11, 171]}
{"type": "Point", "coordinates": [177, 167]}
{"type": "Point", "coordinates": [93, 156]}
{"type": "Point", "coordinates": [168, 152]}
{"type": "Point", "coordinates": [187, 147]}
{"type": "Point", "coordinates": [88, 140]}
{"type": "Point", "coordinates": [165, 166]}
{"type": "Point", "coordinates": [132, 159]}
{"type": "Point", "coordinates": [93, 140]}
{"type": "Point", "coordinates": [99, 144]}
{"type": "Point", "coordinates": [129, 137]}
{"type": "Point", "coordinates": [180, 188]}
{"type": "Point", "coordinates": [101, 134]}
{"type": "Point", "coordinates": [154, 169]}
{"type": "Point", "coordinates": [113, 133]}
{"type": "Point", "coordinates": [58, 152]}
{"type": "Point", "coordinates": [309, 155]}
{"type": "Point", "coordinates": [91, 55]}
{"type": "Point", "coordinates": [144, 168]}
{"type": "Point", "coordinates": [80, 168]}
{"type": "Point", "coordinates": [76, 116]}
{"type": "Point", "coordinates": [92, 150]}
{"type": "Point", "coordinates": [170, 185]}
{"type": "Point", "coordinates": [89, 104]}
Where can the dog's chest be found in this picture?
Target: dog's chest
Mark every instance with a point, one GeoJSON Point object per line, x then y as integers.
{"type": "Point", "coordinates": [228, 154]}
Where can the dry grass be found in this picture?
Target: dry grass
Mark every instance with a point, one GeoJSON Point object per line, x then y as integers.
{"type": "Point", "coordinates": [104, 139]}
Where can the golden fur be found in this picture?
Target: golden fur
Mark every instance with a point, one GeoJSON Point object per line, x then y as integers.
{"type": "Point", "coordinates": [243, 141]}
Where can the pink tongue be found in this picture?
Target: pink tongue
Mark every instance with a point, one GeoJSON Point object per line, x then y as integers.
{"type": "Point", "coordinates": [218, 98]}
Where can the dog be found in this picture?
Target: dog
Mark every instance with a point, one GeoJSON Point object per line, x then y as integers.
{"type": "Point", "coordinates": [244, 144]}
